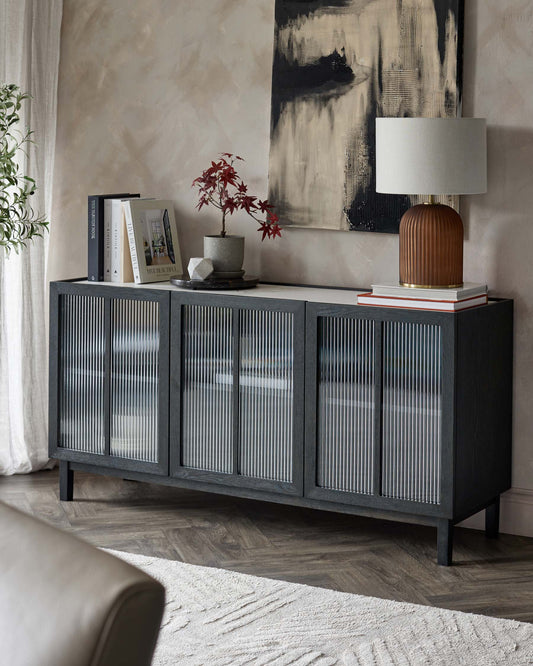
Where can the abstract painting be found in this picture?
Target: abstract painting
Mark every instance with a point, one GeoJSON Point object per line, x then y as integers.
{"type": "Point", "coordinates": [339, 64]}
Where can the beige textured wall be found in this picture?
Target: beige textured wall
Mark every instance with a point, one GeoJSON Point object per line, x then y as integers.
{"type": "Point", "coordinates": [151, 90]}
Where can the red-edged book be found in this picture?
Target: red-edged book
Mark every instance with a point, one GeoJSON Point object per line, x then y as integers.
{"type": "Point", "coordinates": [421, 303]}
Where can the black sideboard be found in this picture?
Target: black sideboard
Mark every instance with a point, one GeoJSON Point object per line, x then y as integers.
{"type": "Point", "coordinates": [288, 394]}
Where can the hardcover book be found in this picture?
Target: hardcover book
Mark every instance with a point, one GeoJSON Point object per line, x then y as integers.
{"type": "Point", "coordinates": [110, 240]}
{"type": "Point", "coordinates": [153, 239]}
{"type": "Point", "coordinates": [421, 303]}
{"type": "Point", "coordinates": [107, 239]}
{"type": "Point", "coordinates": [468, 290]}
{"type": "Point", "coordinates": [96, 245]}
{"type": "Point", "coordinates": [121, 269]}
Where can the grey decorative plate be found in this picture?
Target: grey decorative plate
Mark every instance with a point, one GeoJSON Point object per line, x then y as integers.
{"type": "Point", "coordinates": [225, 275]}
{"type": "Point", "coordinates": [245, 282]}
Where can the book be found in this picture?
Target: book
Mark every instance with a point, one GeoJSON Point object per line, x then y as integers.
{"type": "Point", "coordinates": [121, 269]}
{"type": "Point", "coordinates": [421, 303]}
{"type": "Point", "coordinates": [468, 290]}
{"type": "Point", "coordinates": [95, 245]}
{"type": "Point", "coordinates": [108, 238]}
{"type": "Point", "coordinates": [153, 239]}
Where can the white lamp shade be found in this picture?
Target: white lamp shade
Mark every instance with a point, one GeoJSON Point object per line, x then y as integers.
{"type": "Point", "coordinates": [431, 155]}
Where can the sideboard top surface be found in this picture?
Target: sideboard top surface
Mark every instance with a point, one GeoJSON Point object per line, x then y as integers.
{"type": "Point", "coordinates": [276, 291]}
{"type": "Point", "coordinates": [325, 295]}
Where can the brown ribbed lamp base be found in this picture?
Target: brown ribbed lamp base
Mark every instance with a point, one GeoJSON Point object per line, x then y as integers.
{"type": "Point", "coordinates": [431, 247]}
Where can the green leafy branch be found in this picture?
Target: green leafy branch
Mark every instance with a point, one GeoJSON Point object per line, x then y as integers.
{"type": "Point", "coordinates": [18, 221]}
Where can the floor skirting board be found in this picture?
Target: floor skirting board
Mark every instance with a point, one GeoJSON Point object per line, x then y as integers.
{"type": "Point", "coordinates": [516, 515]}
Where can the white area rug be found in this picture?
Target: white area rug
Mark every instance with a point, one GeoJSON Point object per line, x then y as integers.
{"type": "Point", "coordinates": [222, 618]}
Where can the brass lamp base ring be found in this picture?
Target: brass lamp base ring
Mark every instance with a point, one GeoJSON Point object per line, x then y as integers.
{"type": "Point", "coordinates": [432, 286]}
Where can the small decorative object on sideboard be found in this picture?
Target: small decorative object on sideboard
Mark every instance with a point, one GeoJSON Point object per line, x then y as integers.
{"type": "Point", "coordinates": [221, 186]}
{"type": "Point", "coordinates": [429, 156]}
{"type": "Point", "coordinates": [200, 268]}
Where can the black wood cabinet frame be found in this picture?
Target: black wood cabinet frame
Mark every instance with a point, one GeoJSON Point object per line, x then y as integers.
{"type": "Point", "coordinates": [108, 294]}
{"type": "Point", "coordinates": [380, 315]}
{"type": "Point", "coordinates": [237, 305]}
{"type": "Point", "coordinates": [476, 404]}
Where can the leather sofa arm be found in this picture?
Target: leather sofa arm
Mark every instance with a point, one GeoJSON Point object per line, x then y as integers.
{"type": "Point", "coordinates": [63, 602]}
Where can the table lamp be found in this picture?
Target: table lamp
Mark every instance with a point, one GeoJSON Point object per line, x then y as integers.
{"type": "Point", "coordinates": [430, 156]}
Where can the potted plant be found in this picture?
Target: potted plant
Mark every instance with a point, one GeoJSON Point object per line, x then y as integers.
{"type": "Point", "coordinates": [221, 186]}
{"type": "Point", "coordinates": [18, 222]}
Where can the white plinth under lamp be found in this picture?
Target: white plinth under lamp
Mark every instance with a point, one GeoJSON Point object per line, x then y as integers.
{"type": "Point", "coordinates": [429, 156]}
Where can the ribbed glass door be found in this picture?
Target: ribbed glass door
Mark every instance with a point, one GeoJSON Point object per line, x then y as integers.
{"type": "Point", "coordinates": [239, 386]}
{"type": "Point", "coordinates": [207, 388]}
{"type": "Point", "coordinates": [345, 401]}
{"type": "Point", "coordinates": [412, 411]}
{"type": "Point", "coordinates": [378, 389]}
{"type": "Point", "coordinates": [111, 380]}
{"type": "Point", "coordinates": [82, 374]}
{"type": "Point", "coordinates": [266, 395]}
{"type": "Point", "coordinates": [134, 379]}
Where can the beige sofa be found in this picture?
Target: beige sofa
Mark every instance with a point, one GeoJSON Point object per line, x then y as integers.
{"type": "Point", "coordinates": [65, 603]}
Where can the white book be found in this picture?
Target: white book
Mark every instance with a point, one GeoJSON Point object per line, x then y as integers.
{"type": "Point", "coordinates": [107, 238]}
{"type": "Point", "coordinates": [421, 303]}
{"type": "Point", "coordinates": [121, 268]}
{"type": "Point", "coordinates": [468, 290]}
{"type": "Point", "coordinates": [153, 239]}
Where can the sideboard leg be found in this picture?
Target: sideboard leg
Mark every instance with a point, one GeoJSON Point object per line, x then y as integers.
{"type": "Point", "coordinates": [492, 519]}
{"type": "Point", "coordinates": [444, 542]}
{"type": "Point", "coordinates": [66, 481]}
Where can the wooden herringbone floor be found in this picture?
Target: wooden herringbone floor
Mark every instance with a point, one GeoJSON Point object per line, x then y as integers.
{"type": "Point", "coordinates": [351, 554]}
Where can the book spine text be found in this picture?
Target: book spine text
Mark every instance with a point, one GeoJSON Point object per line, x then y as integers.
{"type": "Point", "coordinates": [131, 238]}
{"type": "Point", "coordinates": [95, 259]}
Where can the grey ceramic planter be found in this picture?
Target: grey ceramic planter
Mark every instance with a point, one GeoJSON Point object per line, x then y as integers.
{"type": "Point", "coordinates": [226, 253]}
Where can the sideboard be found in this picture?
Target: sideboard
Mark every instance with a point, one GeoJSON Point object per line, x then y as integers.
{"type": "Point", "coordinates": [294, 395]}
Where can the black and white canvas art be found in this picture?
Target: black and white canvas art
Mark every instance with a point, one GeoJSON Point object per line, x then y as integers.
{"type": "Point", "coordinates": [339, 64]}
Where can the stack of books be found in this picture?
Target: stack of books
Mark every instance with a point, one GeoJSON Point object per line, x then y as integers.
{"type": "Point", "coordinates": [394, 295]}
{"type": "Point", "coordinates": [102, 236]}
{"type": "Point", "coordinates": [131, 239]}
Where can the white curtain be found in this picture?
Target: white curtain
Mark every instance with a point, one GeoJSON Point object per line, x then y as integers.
{"type": "Point", "coordinates": [29, 58]}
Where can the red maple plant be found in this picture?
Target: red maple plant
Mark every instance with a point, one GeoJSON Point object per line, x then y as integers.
{"type": "Point", "coordinates": [221, 186]}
